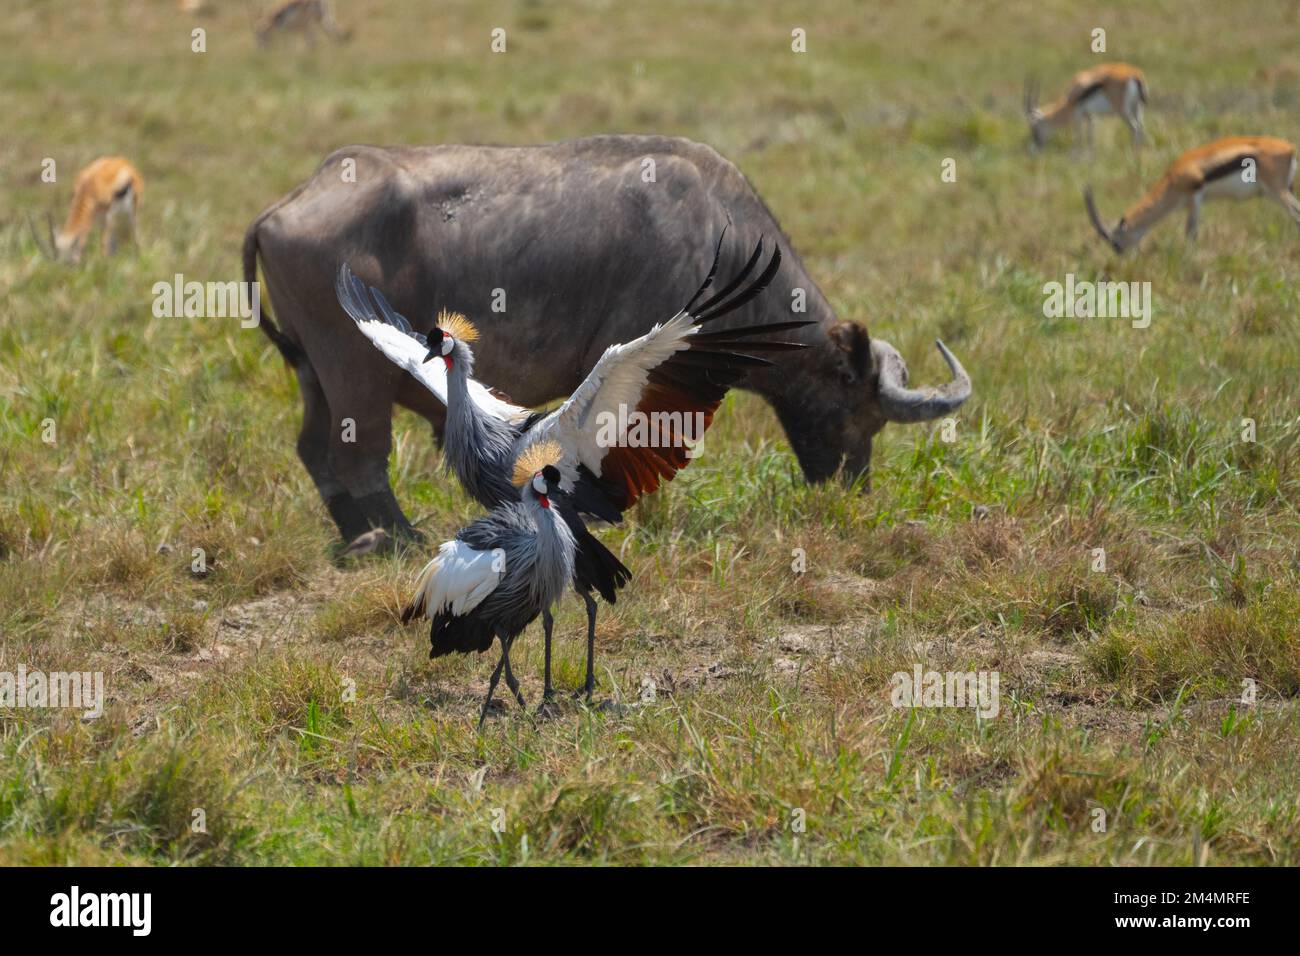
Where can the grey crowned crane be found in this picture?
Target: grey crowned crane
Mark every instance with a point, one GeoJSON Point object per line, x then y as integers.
{"type": "Point", "coordinates": [500, 572]}
{"type": "Point", "coordinates": [679, 368]}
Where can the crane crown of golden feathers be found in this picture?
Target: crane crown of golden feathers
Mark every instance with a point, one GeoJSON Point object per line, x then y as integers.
{"type": "Point", "coordinates": [536, 457]}
{"type": "Point", "coordinates": [457, 326]}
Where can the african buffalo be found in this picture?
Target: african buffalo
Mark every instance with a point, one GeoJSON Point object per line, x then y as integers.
{"type": "Point", "coordinates": [555, 252]}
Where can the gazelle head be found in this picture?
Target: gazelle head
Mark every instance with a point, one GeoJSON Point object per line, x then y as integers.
{"type": "Point", "coordinates": [1121, 236]}
{"type": "Point", "coordinates": [59, 246]}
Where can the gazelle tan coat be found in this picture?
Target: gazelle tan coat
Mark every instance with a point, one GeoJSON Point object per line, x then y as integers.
{"type": "Point", "coordinates": [1116, 88]}
{"type": "Point", "coordinates": [1238, 167]}
{"type": "Point", "coordinates": [106, 194]}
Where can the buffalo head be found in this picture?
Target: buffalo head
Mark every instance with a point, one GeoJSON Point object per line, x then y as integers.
{"type": "Point", "coordinates": [832, 431]}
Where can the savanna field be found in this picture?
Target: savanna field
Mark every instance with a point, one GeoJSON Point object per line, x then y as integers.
{"type": "Point", "coordinates": [278, 693]}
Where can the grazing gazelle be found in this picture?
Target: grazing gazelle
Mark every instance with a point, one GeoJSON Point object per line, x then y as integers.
{"type": "Point", "coordinates": [303, 17]}
{"type": "Point", "coordinates": [1237, 167]}
{"type": "Point", "coordinates": [1108, 88]}
{"type": "Point", "coordinates": [106, 194]}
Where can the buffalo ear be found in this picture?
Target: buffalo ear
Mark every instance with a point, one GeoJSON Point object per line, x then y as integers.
{"type": "Point", "coordinates": [854, 348]}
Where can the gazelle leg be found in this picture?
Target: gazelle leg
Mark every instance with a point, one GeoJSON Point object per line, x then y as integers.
{"type": "Point", "coordinates": [492, 687]}
{"type": "Point", "coordinates": [1135, 127]}
{"type": "Point", "coordinates": [1194, 213]}
{"type": "Point", "coordinates": [104, 223]}
{"type": "Point", "coordinates": [1291, 204]}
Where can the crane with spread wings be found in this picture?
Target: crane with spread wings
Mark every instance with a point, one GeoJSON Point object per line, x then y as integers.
{"type": "Point", "coordinates": [676, 373]}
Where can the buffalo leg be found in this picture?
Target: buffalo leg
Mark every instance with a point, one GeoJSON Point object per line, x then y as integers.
{"type": "Point", "coordinates": [360, 438]}
{"type": "Point", "coordinates": [313, 449]}
{"type": "Point", "coordinates": [382, 511]}
{"type": "Point", "coordinates": [412, 395]}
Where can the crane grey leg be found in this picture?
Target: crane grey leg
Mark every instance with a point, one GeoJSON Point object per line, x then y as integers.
{"type": "Point", "coordinates": [590, 685]}
{"type": "Point", "coordinates": [548, 623]}
{"type": "Point", "coordinates": [492, 686]}
{"type": "Point", "coordinates": [510, 677]}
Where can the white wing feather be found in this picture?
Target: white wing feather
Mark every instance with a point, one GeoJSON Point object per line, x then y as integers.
{"type": "Point", "coordinates": [458, 578]}
{"type": "Point", "coordinates": [408, 354]}
{"type": "Point", "coordinates": [619, 378]}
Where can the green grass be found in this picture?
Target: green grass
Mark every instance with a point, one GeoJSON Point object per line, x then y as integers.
{"type": "Point", "coordinates": [278, 694]}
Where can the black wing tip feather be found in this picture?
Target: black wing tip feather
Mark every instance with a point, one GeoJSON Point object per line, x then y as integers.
{"type": "Point", "coordinates": [713, 269]}
{"type": "Point", "coordinates": [731, 286]}
{"type": "Point", "coordinates": [749, 292]}
{"type": "Point", "coordinates": [603, 570]}
{"type": "Point", "coordinates": [730, 336]}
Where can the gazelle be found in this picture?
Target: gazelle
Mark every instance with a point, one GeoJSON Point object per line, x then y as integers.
{"type": "Point", "coordinates": [107, 193]}
{"type": "Point", "coordinates": [303, 17]}
{"type": "Point", "coordinates": [1108, 88]}
{"type": "Point", "coordinates": [1237, 167]}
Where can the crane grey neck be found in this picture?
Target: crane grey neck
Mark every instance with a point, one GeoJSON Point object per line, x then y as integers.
{"type": "Point", "coordinates": [476, 446]}
{"type": "Point", "coordinates": [555, 547]}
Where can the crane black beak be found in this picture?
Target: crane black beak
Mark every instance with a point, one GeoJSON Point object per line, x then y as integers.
{"type": "Point", "coordinates": [433, 354]}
